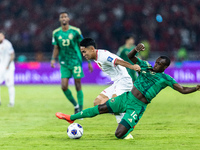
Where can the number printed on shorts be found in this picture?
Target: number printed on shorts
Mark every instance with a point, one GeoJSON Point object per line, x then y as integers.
{"type": "Point", "coordinates": [77, 70]}
{"type": "Point", "coordinates": [134, 115]}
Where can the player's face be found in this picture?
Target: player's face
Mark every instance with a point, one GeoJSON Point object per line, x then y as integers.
{"type": "Point", "coordinates": [131, 41]}
{"type": "Point", "coordinates": [159, 65]}
{"type": "Point", "coordinates": [88, 52]}
{"type": "Point", "coordinates": [2, 37]}
{"type": "Point", "coordinates": [64, 19]}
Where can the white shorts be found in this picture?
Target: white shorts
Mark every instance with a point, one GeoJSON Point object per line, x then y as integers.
{"type": "Point", "coordinates": [118, 87]}
{"type": "Point", "coordinates": [7, 76]}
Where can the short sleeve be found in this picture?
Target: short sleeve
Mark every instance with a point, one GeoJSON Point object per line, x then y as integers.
{"type": "Point", "coordinates": [10, 48]}
{"type": "Point", "coordinates": [143, 64]}
{"type": "Point", "coordinates": [169, 80]}
{"type": "Point", "coordinates": [108, 58]}
{"type": "Point", "coordinates": [79, 36]}
{"type": "Point", "coordinates": [54, 42]}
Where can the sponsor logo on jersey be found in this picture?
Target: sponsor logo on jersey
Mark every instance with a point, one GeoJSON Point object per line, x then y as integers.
{"type": "Point", "coordinates": [62, 62]}
{"type": "Point", "coordinates": [60, 37]}
{"type": "Point", "coordinates": [70, 36]}
{"type": "Point", "coordinates": [110, 59]}
{"type": "Point", "coordinates": [112, 100]}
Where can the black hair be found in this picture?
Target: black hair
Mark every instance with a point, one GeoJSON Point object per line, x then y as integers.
{"type": "Point", "coordinates": [63, 12]}
{"type": "Point", "coordinates": [1, 31]}
{"type": "Point", "coordinates": [128, 36]}
{"type": "Point", "coordinates": [88, 42]}
{"type": "Point", "coordinates": [167, 60]}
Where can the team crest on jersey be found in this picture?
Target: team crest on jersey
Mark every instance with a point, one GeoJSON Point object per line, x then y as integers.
{"type": "Point", "coordinates": [60, 37]}
{"type": "Point", "coordinates": [110, 59]}
{"type": "Point", "coordinates": [112, 100]}
{"type": "Point", "coordinates": [70, 36]}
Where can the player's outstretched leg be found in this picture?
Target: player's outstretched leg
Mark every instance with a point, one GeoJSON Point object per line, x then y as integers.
{"type": "Point", "coordinates": [64, 116]}
{"type": "Point", "coordinates": [87, 113]}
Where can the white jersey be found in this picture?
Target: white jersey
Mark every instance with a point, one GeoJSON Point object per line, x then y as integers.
{"type": "Point", "coordinates": [106, 61]}
{"type": "Point", "coordinates": [6, 49]}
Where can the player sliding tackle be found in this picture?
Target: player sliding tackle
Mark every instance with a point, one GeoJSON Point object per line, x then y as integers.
{"type": "Point", "coordinates": [150, 82]}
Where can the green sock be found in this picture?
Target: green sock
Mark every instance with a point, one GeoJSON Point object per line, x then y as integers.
{"type": "Point", "coordinates": [68, 94]}
{"type": "Point", "coordinates": [80, 99]}
{"type": "Point", "coordinates": [87, 113]}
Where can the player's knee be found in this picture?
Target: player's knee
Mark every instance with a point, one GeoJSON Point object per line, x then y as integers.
{"type": "Point", "coordinates": [103, 108]}
{"type": "Point", "coordinates": [64, 87]}
{"type": "Point", "coordinates": [118, 134]}
{"type": "Point", "coordinates": [97, 101]}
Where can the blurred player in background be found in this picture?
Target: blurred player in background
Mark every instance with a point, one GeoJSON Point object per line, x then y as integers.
{"type": "Point", "coordinates": [113, 66]}
{"type": "Point", "coordinates": [124, 50]}
{"type": "Point", "coordinates": [66, 46]}
{"type": "Point", "coordinates": [150, 82]}
{"type": "Point", "coordinates": [7, 67]}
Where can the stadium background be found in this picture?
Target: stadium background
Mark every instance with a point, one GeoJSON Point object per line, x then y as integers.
{"type": "Point", "coordinates": [171, 120]}
{"type": "Point", "coordinates": [169, 28]}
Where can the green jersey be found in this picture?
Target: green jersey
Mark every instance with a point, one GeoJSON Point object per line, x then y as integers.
{"type": "Point", "coordinates": [122, 53]}
{"type": "Point", "coordinates": [68, 43]}
{"type": "Point", "coordinates": [150, 83]}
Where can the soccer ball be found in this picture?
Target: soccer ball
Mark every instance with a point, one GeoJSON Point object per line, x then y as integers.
{"type": "Point", "coordinates": [75, 131]}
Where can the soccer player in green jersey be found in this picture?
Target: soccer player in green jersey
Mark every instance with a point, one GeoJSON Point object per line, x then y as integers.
{"type": "Point", "coordinates": [66, 41]}
{"type": "Point", "coordinates": [124, 50]}
{"type": "Point", "coordinates": [150, 82]}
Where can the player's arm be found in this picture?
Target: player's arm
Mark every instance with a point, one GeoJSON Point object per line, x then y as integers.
{"type": "Point", "coordinates": [133, 52]}
{"type": "Point", "coordinates": [54, 55]}
{"type": "Point", "coordinates": [127, 65]}
{"type": "Point", "coordinates": [12, 57]}
{"type": "Point", "coordinates": [185, 90]}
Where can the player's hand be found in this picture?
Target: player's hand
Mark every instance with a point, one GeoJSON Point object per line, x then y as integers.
{"type": "Point", "coordinates": [136, 68]}
{"type": "Point", "coordinates": [90, 67]}
{"type": "Point", "coordinates": [198, 87]}
{"type": "Point", "coordinates": [53, 61]}
{"type": "Point", "coordinates": [140, 47]}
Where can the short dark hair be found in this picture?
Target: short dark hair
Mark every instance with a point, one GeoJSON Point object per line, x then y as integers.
{"type": "Point", "coordinates": [1, 31]}
{"type": "Point", "coordinates": [167, 60]}
{"type": "Point", "coordinates": [88, 42]}
{"type": "Point", "coordinates": [63, 12]}
{"type": "Point", "coordinates": [128, 36]}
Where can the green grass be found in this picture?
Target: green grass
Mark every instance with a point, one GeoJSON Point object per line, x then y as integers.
{"type": "Point", "coordinates": [171, 121]}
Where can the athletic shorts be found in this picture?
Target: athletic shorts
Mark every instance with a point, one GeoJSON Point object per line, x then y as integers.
{"type": "Point", "coordinates": [7, 76]}
{"type": "Point", "coordinates": [118, 87]}
{"type": "Point", "coordinates": [76, 72]}
{"type": "Point", "coordinates": [129, 104]}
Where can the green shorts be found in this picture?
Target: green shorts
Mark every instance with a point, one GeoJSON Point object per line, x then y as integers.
{"type": "Point", "coordinates": [129, 104]}
{"type": "Point", "coordinates": [76, 72]}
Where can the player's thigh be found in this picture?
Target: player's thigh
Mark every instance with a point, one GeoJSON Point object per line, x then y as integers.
{"type": "Point", "coordinates": [65, 72]}
{"type": "Point", "coordinates": [78, 72]}
{"type": "Point", "coordinates": [101, 98]}
{"type": "Point", "coordinates": [124, 85]}
{"type": "Point", "coordinates": [9, 77]}
{"type": "Point", "coordinates": [116, 104]}
{"type": "Point", "coordinates": [130, 118]}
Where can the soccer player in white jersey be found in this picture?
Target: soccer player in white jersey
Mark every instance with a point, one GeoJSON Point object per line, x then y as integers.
{"type": "Point", "coordinates": [114, 67]}
{"type": "Point", "coordinates": [7, 67]}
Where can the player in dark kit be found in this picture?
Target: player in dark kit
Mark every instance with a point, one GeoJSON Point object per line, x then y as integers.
{"type": "Point", "coordinates": [66, 41]}
{"type": "Point", "coordinates": [150, 82]}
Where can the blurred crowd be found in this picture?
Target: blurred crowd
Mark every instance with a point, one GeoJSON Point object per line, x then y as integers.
{"type": "Point", "coordinates": [28, 24]}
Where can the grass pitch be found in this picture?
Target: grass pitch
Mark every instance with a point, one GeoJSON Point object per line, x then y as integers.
{"type": "Point", "coordinates": [171, 121]}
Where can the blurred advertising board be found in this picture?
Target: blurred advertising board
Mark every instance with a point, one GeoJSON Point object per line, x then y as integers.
{"type": "Point", "coordinates": [42, 73]}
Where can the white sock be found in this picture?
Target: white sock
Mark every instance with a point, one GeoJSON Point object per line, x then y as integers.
{"type": "Point", "coordinates": [119, 117]}
{"type": "Point", "coordinates": [11, 90]}
{"type": "Point", "coordinates": [77, 106]}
